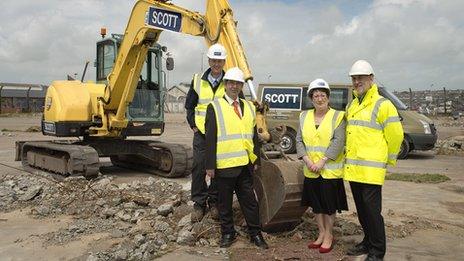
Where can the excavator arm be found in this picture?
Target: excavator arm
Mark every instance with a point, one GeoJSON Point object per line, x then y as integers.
{"type": "Point", "coordinates": [147, 20]}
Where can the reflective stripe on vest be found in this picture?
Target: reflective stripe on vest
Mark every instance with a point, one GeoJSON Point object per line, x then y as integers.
{"type": "Point", "coordinates": [392, 156]}
{"type": "Point", "coordinates": [372, 123]}
{"type": "Point", "coordinates": [366, 163]}
{"type": "Point", "coordinates": [390, 120]}
{"type": "Point", "coordinates": [365, 171]}
{"type": "Point", "coordinates": [205, 96]}
{"type": "Point", "coordinates": [317, 141]}
{"type": "Point", "coordinates": [234, 135]}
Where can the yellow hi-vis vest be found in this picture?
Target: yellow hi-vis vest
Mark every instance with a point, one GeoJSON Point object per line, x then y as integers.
{"type": "Point", "coordinates": [317, 141]}
{"type": "Point", "coordinates": [234, 135]}
{"type": "Point", "coordinates": [205, 96]}
{"type": "Point", "coordinates": [373, 138]}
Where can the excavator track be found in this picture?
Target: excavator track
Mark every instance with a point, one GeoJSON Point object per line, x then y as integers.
{"type": "Point", "coordinates": [60, 158]}
{"type": "Point", "coordinates": [167, 160]}
{"type": "Point", "coordinates": [66, 158]}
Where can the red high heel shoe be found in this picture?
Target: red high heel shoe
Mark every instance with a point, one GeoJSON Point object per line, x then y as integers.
{"type": "Point", "coordinates": [313, 245]}
{"type": "Point", "coordinates": [324, 250]}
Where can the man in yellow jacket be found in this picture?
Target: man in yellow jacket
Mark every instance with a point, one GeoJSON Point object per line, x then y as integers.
{"type": "Point", "coordinates": [373, 138]}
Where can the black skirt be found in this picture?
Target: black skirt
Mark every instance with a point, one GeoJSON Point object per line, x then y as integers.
{"type": "Point", "coordinates": [324, 196]}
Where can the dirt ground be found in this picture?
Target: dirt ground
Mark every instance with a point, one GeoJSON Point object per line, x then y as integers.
{"type": "Point", "coordinates": [423, 221]}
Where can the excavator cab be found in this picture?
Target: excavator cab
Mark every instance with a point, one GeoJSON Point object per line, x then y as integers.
{"type": "Point", "coordinates": [145, 113]}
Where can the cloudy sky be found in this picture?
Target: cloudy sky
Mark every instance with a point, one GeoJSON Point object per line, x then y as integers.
{"type": "Point", "coordinates": [415, 44]}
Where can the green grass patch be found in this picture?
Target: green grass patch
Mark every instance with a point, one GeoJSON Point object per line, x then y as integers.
{"type": "Point", "coordinates": [417, 178]}
{"type": "Point", "coordinates": [10, 130]}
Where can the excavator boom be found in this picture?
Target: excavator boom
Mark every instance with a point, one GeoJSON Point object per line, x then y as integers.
{"type": "Point", "coordinates": [148, 19]}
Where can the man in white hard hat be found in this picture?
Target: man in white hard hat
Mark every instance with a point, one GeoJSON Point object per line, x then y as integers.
{"type": "Point", "coordinates": [204, 88]}
{"type": "Point", "coordinates": [231, 156]}
{"type": "Point", "coordinates": [373, 138]}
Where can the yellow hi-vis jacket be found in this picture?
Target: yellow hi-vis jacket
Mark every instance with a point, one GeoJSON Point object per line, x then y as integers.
{"type": "Point", "coordinates": [317, 141]}
{"type": "Point", "coordinates": [234, 135]}
{"type": "Point", "coordinates": [373, 138]}
{"type": "Point", "coordinates": [205, 96]}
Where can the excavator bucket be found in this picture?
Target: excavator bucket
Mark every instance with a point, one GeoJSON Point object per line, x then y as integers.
{"type": "Point", "coordinates": [278, 185]}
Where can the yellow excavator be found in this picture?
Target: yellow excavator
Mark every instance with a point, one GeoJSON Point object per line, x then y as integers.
{"type": "Point", "coordinates": [130, 103]}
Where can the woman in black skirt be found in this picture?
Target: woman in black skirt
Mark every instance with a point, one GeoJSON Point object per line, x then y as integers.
{"type": "Point", "coordinates": [320, 142]}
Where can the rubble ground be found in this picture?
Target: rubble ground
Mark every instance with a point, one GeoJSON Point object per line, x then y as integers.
{"type": "Point", "coordinates": [151, 218]}
{"type": "Point", "coordinates": [123, 215]}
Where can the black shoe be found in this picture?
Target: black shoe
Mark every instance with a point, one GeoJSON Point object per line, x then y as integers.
{"type": "Point", "coordinates": [373, 258]}
{"type": "Point", "coordinates": [258, 240]}
{"type": "Point", "coordinates": [227, 240]}
{"type": "Point", "coordinates": [357, 250]}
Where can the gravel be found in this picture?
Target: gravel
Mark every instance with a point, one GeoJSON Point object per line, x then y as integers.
{"type": "Point", "coordinates": [149, 218]}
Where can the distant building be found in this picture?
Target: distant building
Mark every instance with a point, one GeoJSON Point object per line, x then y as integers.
{"type": "Point", "coordinates": [178, 91]}
{"type": "Point", "coordinates": [175, 99]}
{"type": "Point", "coordinates": [22, 97]}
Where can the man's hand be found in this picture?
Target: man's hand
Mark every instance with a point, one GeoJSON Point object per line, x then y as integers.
{"type": "Point", "coordinates": [210, 173]}
{"type": "Point", "coordinates": [195, 129]}
{"type": "Point", "coordinates": [255, 168]}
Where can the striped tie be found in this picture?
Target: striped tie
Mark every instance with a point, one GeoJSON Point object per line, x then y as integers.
{"type": "Point", "coordinates": [235, 103]}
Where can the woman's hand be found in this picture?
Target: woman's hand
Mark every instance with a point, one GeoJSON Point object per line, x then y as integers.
{"type": "Point", "coordinates": [307, 161]}
{"type": "Point", "coordinates": [316, 167]}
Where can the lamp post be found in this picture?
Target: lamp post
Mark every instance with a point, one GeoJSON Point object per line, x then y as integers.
{"type": "Point", "coordinates": [202, 55]}
{"type": "Point", "coordinates": [168, 54]}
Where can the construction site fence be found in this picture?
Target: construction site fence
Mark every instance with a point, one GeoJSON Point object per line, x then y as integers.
{"type": "Point", "coordinates": [434, 102]}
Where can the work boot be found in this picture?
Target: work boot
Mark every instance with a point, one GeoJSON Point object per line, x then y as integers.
{"type": "Point", "coordinates": [259, 241]}
{"type": "Point", "coordinates": [357, 250]}
{"type": "Point", "coordinates": [197, 214]}
{"type": "Point", "coordinates": [227, 240]}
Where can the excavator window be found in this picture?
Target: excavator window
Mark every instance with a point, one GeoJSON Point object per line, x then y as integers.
{"type": "Point", "coordinates": [146, 102]}
{"type": "Point", "coordinates": [149, 77]}
{"type": "Point", "coordinates": [106, 55]}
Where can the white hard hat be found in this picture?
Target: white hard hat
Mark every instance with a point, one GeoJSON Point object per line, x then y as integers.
{"type": "Point", "coordinates": [217, 51]}
{"type": "Point", "coordinates": [318, 84]}
{"type": "Point", "coordinates": [361, 67]}
{"type": "Point", "coordinates": [234, 74]}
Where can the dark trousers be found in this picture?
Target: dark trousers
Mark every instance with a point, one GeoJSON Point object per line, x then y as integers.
{"type": "Point", "coordinates": [243, 187]}
{"type": "Point", "coordinates": [368, 200]}
{"type": "Point", "coordinates": [201, 194]}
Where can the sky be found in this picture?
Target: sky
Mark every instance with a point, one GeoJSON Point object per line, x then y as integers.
{"type": "Point", "coordinates": [417, 44]}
